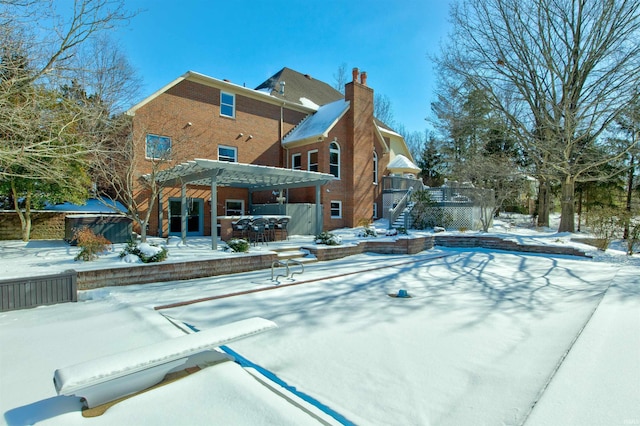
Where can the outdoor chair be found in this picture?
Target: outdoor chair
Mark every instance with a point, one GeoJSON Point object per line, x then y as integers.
{"type": "Point", "coordinates": [271, 232]}
{"type": "Point", "coordinates": [241, 228]}
{"type": "Point", "coordinates": [258, 231]}
{"type": "Point", "coordinates": [281, 226]}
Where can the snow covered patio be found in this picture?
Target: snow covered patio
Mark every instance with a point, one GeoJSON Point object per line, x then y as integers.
{"type": "Point", "coordinates": [486, 338]}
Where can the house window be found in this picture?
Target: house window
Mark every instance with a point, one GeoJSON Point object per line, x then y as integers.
{"type": "Point", "coordinates": [375, 168]}
{"type": "Point", "coordinates": [296, 161]}
{"type": "Point", "coordinates": [334, 159]}
{"type": "Point", "coordinates": [375, 210]}
{"type": "Point", "coordinates": [312, 159]}
{"type": "Point", "coordinates": [336, 209]}
{"type": "Point", "coordinates": [234, 207]}
{"type": "Point", "coordinates": [227, 104]}
{"type": "Point", "coordinates": [228, 153]}
{"type": "Point", "coordinates": [158, 147]}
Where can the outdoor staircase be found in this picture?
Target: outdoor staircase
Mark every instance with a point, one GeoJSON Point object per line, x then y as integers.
{"type": "Point", "coordinates": [399, 222]}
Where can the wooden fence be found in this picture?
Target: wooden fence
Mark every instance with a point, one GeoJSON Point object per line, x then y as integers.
{"type": "Point", "coordinates": [29, 292]}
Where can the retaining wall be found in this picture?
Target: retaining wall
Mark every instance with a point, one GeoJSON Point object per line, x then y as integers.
{"type": "Point", "coordinates": [158, 272]}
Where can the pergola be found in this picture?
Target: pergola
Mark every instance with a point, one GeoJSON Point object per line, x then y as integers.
{"type": "Point", "coordinates": [212, 173]}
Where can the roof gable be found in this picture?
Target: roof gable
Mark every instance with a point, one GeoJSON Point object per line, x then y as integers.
{"type": "Point", "coordinates": [299, 88]}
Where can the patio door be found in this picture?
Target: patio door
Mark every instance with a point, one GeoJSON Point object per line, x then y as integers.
{"type": "Point", "coordinates": [195, 216]}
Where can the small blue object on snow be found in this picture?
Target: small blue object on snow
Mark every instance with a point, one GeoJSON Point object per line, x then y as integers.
{"type": "Point", "coordinates": [402, 293]}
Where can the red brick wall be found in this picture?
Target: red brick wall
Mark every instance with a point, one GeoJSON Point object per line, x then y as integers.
{"type": "Point", "coordinates": [255, 131]}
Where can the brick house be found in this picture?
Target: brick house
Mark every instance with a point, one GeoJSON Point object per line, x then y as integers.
{"type": "Point", "coordinates": [291, 122]}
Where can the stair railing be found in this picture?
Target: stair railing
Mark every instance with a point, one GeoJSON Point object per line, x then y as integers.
{"type": "Point", "coordinates": [395, 212]}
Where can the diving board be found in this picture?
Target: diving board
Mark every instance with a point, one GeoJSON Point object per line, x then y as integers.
{"type": "Point", "coordinates": [111, 377]}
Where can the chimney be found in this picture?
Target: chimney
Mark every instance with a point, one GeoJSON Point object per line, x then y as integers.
{"type": "Point", "coordinates": [355, 72]}
{"type": "Point", "coordinates": [363, 78]}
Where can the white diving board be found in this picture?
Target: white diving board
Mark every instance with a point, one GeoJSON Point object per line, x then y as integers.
{"type": "Point", "coordinates": [114, 376]}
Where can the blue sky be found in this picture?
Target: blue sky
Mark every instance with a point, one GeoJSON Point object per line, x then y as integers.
{"type": "Point", "coordinates": [247, 41]}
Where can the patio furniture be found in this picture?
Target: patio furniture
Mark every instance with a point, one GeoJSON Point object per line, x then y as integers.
{"type": "Point", "coordinates": [281, 226]}
{"type": "Point", "coordinates": [258, 231]}
{"type": "Point", "coordinates": [271, 232]}
{"type": "Point", "coordinates": [241, 228]}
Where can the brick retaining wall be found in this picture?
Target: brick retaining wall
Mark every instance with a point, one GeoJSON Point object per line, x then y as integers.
{"type": "Point", "coordinates": [158, 272]}
{"type": "Point", "coordinates": [496, 243]}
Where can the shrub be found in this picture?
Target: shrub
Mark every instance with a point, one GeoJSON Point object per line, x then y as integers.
{"type": "Point", "coordinates": [367, 232]}
{"type": "Point", "coordinates": [605, 225]}
{"type": "Point", "coordinates": [328, 238]}
{"type": "Point", "coordinates": [238, 245]}
{"type": "Point", "coordinates": [633, 237]}
{"type": "Point", "coordinates": [91, 245]}
{"type": "Point", "coordinates": [147, 253]}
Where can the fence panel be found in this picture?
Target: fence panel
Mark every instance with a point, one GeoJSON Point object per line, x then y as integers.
{"type": "Point", "coordinates": [29, 292]}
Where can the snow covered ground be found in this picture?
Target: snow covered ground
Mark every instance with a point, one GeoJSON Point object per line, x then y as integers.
{"type": "Point", "coordinates": [487, 338]}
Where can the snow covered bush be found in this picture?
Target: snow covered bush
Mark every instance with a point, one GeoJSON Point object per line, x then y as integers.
{"type": "Point", "coordinates": [328, 238]}
{"type": "Point", "coordinates": [367, 232]}
{"type": "Point", "coordinates": [91, 245]}
{"type": "Point", "coordinates": [238, 245]}
{"type": "Point", "coordinates": [147, 253]}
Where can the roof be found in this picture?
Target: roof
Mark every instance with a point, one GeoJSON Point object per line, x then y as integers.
{"type": "Point", "coordinates": [239, 175]}
{"type": "Point", "coordinates": [225, 85]}
{"type": "Point", "coordinates": [403, 163]}
{"type": "Point", "coordinates": [317, 126]}
{"type": "Point", "coordinates": [300, 88]}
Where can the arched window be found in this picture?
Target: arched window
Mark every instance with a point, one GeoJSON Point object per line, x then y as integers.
{"type": "Point", "coordinates": [334, 159]}
{"type": "Point", "coordinates": [375, 168]}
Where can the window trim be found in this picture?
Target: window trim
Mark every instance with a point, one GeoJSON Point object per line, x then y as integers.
{"type": "Point", "coordinates": [233, 148]}
{"type": "Point", "coordinates": [334, 151]}
{"type": "Point", "coordinates": [313, 151]}
{"type": "Point", "coordinates": [226, 208]}
{"type": "Point", "coordinates": [224, 104]}
{"type": "Point", "coordinates": [375, 168]}
{"type": "Point", "coordinates": [293, 163]}
{"type": "Point", "coordinates": [158, 137]}
{"type": "Point", "coordinates": [339, 203]}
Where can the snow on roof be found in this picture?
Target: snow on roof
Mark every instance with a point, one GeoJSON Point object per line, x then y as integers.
{"type": "Point", "coordinates": [309, 103]}
{"type": "Point", "coordinates": [318, 124]}
{"type": "Point", "coordinates": [91, 206]}
{"type": "Point", "coordinates": [402, 162]}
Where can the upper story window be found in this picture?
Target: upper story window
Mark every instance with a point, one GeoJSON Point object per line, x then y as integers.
{"type": "Point", "coordinates": [375, 168]}
{"type": "Point", "coordinates": [296, 161]}
{"type": "Point", "coordinates": [227, 104]}
{"type": "Point", "coordinates": [312, 160]}
{"type": "Point", "coordinates": [157, 147]}
{"type": "Point", "coordinates": [334, 159]}
{"type": "Point", "coordinates": [228, 153]}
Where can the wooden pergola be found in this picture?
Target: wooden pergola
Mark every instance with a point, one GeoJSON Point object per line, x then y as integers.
{"type": "Point", "coordinates": [212, 173]}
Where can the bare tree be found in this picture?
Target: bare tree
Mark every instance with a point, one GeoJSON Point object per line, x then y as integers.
{"type": "Point", "coordinates": [340, 78]}
{"type": "Point", "coordinates": [36, 61]}
{"type": "Point", "coordinates": [567, 69]}
{"type": "Point", "coordinates": [132, 159]}
{"type": "Point", "coordinates": [383, 110]}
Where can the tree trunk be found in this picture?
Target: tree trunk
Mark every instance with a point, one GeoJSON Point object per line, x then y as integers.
{"type": "Point", "coordinates": [579, 208]}
{"type": "Point", "coordinates": [25, 217]}
{"type": "Point", "coordinates": [632, 169]}
{"type": "Point", "coordinates": [567, 219]}
{"type": "Point", "coordinates": [543, 203]}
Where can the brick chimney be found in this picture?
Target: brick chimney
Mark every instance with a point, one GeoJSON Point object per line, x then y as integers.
{"type": "Point", "coordinates": [357, 149]}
